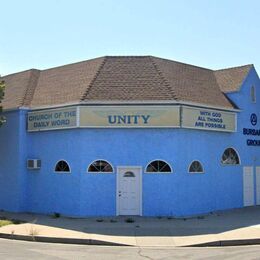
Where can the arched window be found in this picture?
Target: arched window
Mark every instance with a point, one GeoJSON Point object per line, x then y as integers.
{"type": "Point", "coordinates": [100, 166]}
{"type": "Point", "coordinates": [129, 174]}
{"type": "Point", "coordinates": [230, 156]}
{"type": "Point", "coordinates": [158, 166]}
{"type": "Point", "coordinates": [253, 94]}
{"type": "Point", "coordinates": [62, 166]}
{"type": "Point", "coordinates": [196, 167]}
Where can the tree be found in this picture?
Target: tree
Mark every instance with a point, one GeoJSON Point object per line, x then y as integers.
{"type": "Point", "coordinates": [2, 87]}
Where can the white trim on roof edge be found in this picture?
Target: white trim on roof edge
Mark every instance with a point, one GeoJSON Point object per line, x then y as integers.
{"type": "Point", "coordinates": [137, 102]}
{"type": "Point", "coordinates": [15, 108]}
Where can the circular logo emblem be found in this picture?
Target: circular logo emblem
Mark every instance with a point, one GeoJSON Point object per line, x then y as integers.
{"type": "Point", "coordinates": [253, 119]}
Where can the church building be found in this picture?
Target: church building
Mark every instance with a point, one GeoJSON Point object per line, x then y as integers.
{"type": "Point", "coordinates": [130, 135]}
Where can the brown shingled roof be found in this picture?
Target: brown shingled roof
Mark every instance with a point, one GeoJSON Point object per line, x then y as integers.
{"type": "Point", "coordinates": [231, 79]}
{"type": "Point", "coordinates": [18, 85]}
{"type": "Point", "coordinates": [65, 84]}
{"type": "Point", "coordinates": [122, 79]}
{"type": "Point", "coordinates": [128, 78]}
{"type": "Point", "coordinates": [191, 83]}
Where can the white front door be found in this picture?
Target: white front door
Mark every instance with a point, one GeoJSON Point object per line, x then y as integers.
{"type": "Point", "coordinates": [129, 190]}
{"type": "Point", "coordinates": [257, 171]}
{"type": "Point", "coordinates": [248, 186]}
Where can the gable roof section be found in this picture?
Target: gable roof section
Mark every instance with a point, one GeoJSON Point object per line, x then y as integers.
{"type": "Point", "coordinates": [231, 79]}
{"type": "Point", "coordinates": [19, 87]}
{"type": "Point", "coordinates": [191, 83]}
{"type": "Point", "coordinates": [128, 78]}
{"type": "Point", "coordinates": [122, 79]}
{"type": "Point", "coordinates": [65, 84]}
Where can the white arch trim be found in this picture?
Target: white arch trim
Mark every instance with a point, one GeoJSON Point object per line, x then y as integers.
{"type": "Point", "coordinates": [237, 156]}
{"type": "Point", "coordinates": [158, 172]}
{"type": "Point", "coordinates": [101, 160]}
{"type": "Point", "coordinates": [65, 162]}
{"type": "Point", "coordinates": [200, 164]}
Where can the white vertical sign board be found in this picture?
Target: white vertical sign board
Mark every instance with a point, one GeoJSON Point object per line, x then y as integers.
{"type": "Point", "coordinates": [248, 186]}
{"type": "Point", "coordinates": [258, 185]}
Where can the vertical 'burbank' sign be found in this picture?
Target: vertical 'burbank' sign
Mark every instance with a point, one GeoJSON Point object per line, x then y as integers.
{"type": "Point", "coordinates": [52, 119]}
{"type": "Point", "coordinates": [252, 133]}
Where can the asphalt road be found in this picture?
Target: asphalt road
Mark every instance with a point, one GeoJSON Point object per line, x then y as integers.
{"type": "Point", "coordinates": [10, 249]}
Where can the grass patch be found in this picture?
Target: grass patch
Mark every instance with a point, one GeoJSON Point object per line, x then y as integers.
{"type": "Point", "coordinates": [5, 223]}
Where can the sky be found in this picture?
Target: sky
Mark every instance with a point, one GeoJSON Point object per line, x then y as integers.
{"type": "Point", "coordinates": [208, 33]}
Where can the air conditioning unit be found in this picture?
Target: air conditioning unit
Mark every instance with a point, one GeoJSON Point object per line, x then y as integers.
{"type": "Point", "coordinates": [34, 164]}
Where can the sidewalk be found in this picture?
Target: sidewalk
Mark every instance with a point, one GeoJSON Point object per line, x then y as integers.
{"type": "Point", "coordinates": [239, 226]}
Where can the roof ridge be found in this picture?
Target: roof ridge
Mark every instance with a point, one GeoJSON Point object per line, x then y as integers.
{"type": "Point", "coordinates": [19, 72]}
{"type": "Point", "coordinates": [236, 67]}
{"type": "Point", "coordinates": [32, 84]}
{"type": "Point", "coordinates": [94, 79]}
{"type": "Point", "coordinates": [127, 56]}
{"type": "Point", "coordinates": [183, 63]}
{"type": "Point", "coordinates": [73, 63]}
{"type": "Point", "coordinates": [165, 81]}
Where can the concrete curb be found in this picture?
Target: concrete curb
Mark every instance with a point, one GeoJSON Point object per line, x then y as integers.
{"type": "Point", "coordinates": [235, 242]}
{"type": "Point", "coordinates": [82, 241]}
{"type": "Point", "coordinates": [79, 241]}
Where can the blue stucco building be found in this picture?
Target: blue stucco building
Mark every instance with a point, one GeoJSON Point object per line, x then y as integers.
{"type": "Point", "coordinates": [130, 136]}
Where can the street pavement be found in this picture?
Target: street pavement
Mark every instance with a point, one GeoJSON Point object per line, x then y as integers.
{"type": "Point", "coordinates": [14, 250]}
{"type": "Point", "coordinates": [233, 227]}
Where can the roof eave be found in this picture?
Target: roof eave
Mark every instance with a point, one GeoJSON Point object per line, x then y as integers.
{"type": "Point", "coordinates": [132, 102]}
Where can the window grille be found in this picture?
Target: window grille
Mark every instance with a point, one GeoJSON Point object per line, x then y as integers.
{"type": "Point", "coordinates": [196, 167]}
{"type": "Point", "coordinates": [100, 166]}
{"type": "Point", "coordinates": [230, 156]}
{"type": "Point", "coordinates": [62, 166]}
{"type": "Point", "coordinates": [158, 166]}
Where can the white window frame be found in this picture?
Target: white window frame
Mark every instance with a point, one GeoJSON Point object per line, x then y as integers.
{"type": "Point", "coordinates": [203, 171]}
{"type": "Point", "coordinates": [62, 171]}
{"type": "Point", "coordinates": [223, 164]}
{"type": "Point", "coordinates": [253, 94]}
{"type": "Point", "coordinates": [145, 171]}
{"type": "Point", "coordinates": [113, 171]}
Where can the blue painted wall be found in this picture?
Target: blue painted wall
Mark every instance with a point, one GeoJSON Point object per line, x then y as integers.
{"type": "Point", "coordinates": [250, 154]}
{"type": "Point", "coordinates": [84, 194]}
{"type": "Point", "coordinates": [12, 165]}
{"type": "Point", "coordinates": [179, 193]}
